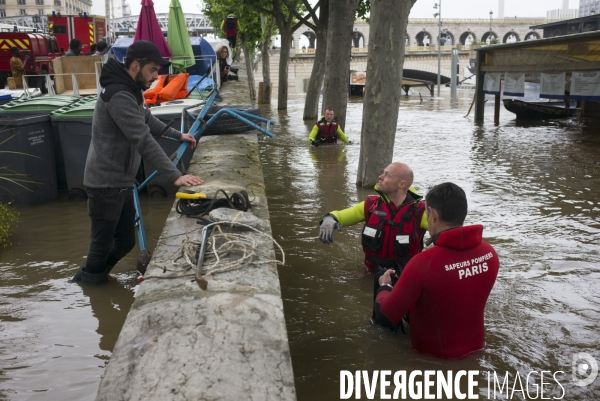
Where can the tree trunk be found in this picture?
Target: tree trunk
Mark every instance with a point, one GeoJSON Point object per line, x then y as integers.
{"type": "Point", "coordinates": [284, 61]}
{"type": "Point", "coordinates": [249, 68]}
{"type": "Point", "coordinates": [285, 23]}
{"type": "Point", "coordinates": [389, 19]}
{"type": "Point", "coordinates": [266, 66]}
{"type": "Point", "coordinates": [337, 65]}
{"type": "Point", "coordinates": [313, 92]}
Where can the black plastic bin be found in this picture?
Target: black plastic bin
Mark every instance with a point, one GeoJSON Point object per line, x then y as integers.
{"type": "Point", "coordinates": [44, 105]}
{"type": "Point", "coordinates": [74, 125]}
{"type": "Point", "coordinates": [166, 112]}
{"type": "Point", "coordinates": [27, 154]}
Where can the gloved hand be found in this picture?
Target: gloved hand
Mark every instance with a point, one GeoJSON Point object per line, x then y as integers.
{"type": "Point", "coordinates": [349, 142]}
{"type": "Point", "coordinates": [327, 226]}
{"type": "Point", "coordinates": [314, 143]}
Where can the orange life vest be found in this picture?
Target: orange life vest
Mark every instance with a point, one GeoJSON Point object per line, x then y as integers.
{"type": "Point", "coordinates": [168, 87]}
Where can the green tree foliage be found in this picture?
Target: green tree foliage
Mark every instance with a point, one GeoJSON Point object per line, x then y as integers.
{"type": "Point", "coordinates": [8, 216]}
{"type": "Point", "coordinates": [363, 11]}
{"type": "Point", "coordinates": [248, 15]}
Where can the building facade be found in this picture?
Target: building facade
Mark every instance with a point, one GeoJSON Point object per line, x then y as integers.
{"type": "Point", "coordinates": [13, 8]}
{"type": "Point", "coordinates": [588, 7]}
{"type": "Point", "coordinates": [562, 13]}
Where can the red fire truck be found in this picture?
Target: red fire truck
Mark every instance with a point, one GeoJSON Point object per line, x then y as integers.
{"type": "Point", "coordinates": [40, 48]}
{"type": "Point", "coordinates": [87, 28]}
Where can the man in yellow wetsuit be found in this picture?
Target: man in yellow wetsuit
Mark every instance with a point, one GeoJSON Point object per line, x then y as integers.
{"type": "Point", "coordinates": [395, 221]}
{"type": "Point", "coordinates": [327, 131]}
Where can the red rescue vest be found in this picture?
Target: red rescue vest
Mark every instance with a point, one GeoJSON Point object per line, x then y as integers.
{"type": "Point", "coordinates": [392, 239]}
{"type": "Point", "coordinates": [230, 26]}
{"type": "Point", "coordinates": [327, 133]}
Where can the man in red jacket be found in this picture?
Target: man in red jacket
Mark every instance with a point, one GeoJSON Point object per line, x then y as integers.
{"type": "Point", "coordinates": [445, 287]}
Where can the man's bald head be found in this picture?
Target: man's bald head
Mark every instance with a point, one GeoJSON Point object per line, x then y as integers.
{"type": "Point", "coordinates": [404, 172]}
{"type": "Point", "coordinates": [396, 177]}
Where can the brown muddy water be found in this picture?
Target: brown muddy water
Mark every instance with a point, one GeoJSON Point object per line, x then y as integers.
{"type": "Point", "coordinates": [535, 188]}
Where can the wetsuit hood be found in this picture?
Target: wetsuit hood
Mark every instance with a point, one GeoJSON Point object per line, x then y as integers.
{"type": "Point", "coordinates": [460, 238]}
{"type": "Point", "coordinates": [115, 78]}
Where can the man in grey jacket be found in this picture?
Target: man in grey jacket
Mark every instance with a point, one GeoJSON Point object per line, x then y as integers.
{"type": "Point", "coordinates": [123, 131]}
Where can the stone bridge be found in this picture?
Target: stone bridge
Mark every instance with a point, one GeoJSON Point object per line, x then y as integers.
{"type": "Point", "coordinates": [421, 50]}
{"type": "Point", "coordinates": [424, 31]}
{"type": "Point", "coordinates": [420, 65]}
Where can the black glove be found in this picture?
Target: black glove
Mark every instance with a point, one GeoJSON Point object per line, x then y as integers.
{"type": "Point", "coordinates": [349, 142]}
{"type": "Point", "coordinates": [328, 224]}
{"type": "Point", "coordinates": [314, 143]}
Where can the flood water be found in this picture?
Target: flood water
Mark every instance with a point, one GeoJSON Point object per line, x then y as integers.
{"type": "Point", "coordinates": [535, 188]}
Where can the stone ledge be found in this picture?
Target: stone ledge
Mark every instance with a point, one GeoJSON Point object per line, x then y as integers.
{"type": "Point", "coordinates": [228, 342]}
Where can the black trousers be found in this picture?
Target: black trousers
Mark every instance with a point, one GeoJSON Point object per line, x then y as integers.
{"type": "Point", "coordinates": [112, 212]}
{"type": "Point", "coordinates": [232, 40]}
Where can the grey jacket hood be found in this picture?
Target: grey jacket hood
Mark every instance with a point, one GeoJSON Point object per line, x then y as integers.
{"type": "Point", "coordinates": [115, 78]}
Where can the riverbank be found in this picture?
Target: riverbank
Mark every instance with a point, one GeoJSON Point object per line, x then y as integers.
{"type": "Point", "coordinates": [228, 342]}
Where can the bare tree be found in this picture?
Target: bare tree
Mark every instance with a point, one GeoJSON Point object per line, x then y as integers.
{"type": "Point", "coordinates": [285, 23]}
{"type": "Point", "coordinates": [337, 64]}
{"type": "Point", "coordinates": [389, 19]}
{"type": "Point", "coordinates": [249, 66]}
{"type": "Point", "coordinates": [319, 26]}
{"type": "Point", "coordinates": [264, 51]}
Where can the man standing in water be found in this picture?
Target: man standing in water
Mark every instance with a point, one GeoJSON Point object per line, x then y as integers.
{"type": "Point", "coordinates": [395, 221]}
{"type": "Point", "coordinates": [123, 131]}
{"type": "Point", "coordinates": [445, 287]}
{"type": "Point", "coordinates": [327, 131]}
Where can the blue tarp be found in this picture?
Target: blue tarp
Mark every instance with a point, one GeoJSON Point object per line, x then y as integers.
{"type": "Point", "coordinates": [203, 52]}
{"type": "Point", "coordinates": [205, 84]}
{"type": "Point", "coordinates": [201, 48]}
{"type": "Point", "coordinates": [119, 48]}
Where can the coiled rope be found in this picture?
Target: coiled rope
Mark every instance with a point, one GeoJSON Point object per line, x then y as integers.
{"type": "Point", "coordinates": [183, 261]}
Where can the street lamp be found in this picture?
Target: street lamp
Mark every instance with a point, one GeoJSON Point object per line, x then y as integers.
{"type": "Point", "coordinates": [439, 41]}
{"type": "Point", "coordinates": [490, 35]}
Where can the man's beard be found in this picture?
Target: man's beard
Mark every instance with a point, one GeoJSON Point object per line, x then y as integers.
{"type": "Point", "coordinates": [141, 81]}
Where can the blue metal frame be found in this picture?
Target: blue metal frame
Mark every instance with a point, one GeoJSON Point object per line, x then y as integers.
{"type": "Point", "coordinates": [197, 129]}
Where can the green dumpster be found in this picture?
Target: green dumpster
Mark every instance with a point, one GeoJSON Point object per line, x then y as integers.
{"type": "Point", "coordinates": [28, 158]}
{"type": "Point", "coordinates": [74, 125]}
{"type": "Point", "coordinates": [44, 105]}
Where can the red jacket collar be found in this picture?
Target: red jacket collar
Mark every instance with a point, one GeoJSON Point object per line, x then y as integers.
{"type": "Point", "coordinates": [460, 238]}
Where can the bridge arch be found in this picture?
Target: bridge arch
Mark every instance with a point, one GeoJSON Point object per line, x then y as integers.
{"type": "Point", "coordinates": [532, 35]}
{"type": "Point", "coordinates": [447, 35]}
{"type": "Point", "coordinates": [358, 39]}
{"type": "Point", "coordinates": [511, 37]}
{"type": "Point", "coordinates": [489, 35]}
{"type": "Point", "coordinates": [465, 35]}
{"type": "Point", "coordinates": [423, 38]}
{"type": "Point", "coordinates": [312, 38]}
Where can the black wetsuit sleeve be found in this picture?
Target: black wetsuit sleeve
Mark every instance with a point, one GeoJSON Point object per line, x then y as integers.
{"type": "Point", "coordinates": [381, 293]}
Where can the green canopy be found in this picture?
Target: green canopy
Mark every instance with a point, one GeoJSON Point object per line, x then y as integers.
{"type": "Point", "coordinates": [178, 39]}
